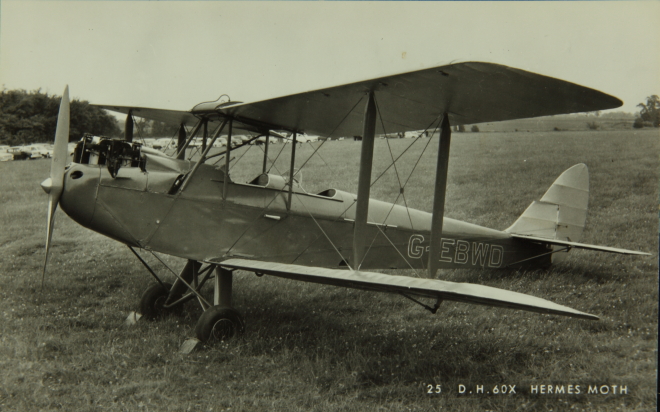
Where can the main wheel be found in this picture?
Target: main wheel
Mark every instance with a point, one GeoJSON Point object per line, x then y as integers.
{"type": "Point", "coordinates": [219, 323]}
{"type": "Point", "coordinates": [153, 299]}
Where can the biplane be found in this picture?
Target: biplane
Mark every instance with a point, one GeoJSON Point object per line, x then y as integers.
{"type": "Point", "coordinates": [270, 226]}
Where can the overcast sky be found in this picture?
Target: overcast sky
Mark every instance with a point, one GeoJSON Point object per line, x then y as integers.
{"type": "Point", "coordinates": [175, 54]}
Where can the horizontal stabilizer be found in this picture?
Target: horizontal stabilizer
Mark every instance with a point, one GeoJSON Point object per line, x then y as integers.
{"type": "Point", "coordinates": [557, 242]}
{"type": "Point", "coordinates": [430, 288]}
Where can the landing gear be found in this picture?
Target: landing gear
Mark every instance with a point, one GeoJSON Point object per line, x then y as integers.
{"type": "Point", "coordinates": [219, 323]}
{"type": "Point", "coordinates": [153, 301]}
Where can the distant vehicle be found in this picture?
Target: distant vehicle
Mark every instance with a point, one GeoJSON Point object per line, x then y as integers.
{"type": "Point", "coordinates": [262, 140]}
{"type": "Point", "coordinates": [304, 138]}
{"type": "Point", "coordinates": [45, 149]}
{"type": "Point", "coordinates": [35, 151]}
{"type": "Point", "coordinates": [165, 143]}
{"type": "Point", "coordinates": [4, 156]}
{"type": "Point", "coordinates": [18, 153]}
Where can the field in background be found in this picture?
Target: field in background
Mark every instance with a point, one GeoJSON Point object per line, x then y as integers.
{"type": "Point", "coordinates": [572, 122]}
{"type": "Point", "coordinates": [313, 347]}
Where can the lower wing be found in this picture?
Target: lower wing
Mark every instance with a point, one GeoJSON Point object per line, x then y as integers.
{"type": "Point", "coordinates": [431, 288]}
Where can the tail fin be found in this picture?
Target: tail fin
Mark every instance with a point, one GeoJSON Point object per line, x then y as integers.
{"type": "Point", "coordinates": [562, 211]}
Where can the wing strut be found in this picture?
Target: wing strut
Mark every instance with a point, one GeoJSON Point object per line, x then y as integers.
{"type": "Point", "coordinates": [128, 127]}
{"type": "Point", "coordinates": [263, 170]}
{"type": "Point", "coordinates": [205, 154]}
{"type": "Point", "coordinates": [181, 154]}
{"type": "Point", "coordinates": [439, 196]}
{"type": "Point", "coordinates": [364, 182]}
{"type": "Point", "coordinates": [225, 183]}
{"type": "Point", "coordinates": [181, 141]}
{"type": "Point", "coordinates": [205, 134]}
{"type": "Point", "coordinates": [293, 164]}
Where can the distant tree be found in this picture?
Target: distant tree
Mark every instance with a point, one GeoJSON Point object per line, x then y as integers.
{"type": "Point", "coordinates": [638, 123]}
{"type": "Point", "coordinates": [474, 128]}
{"type": "Point", "coordinates": [593, 125]}
{"type": "Point", "coordinates": [460, 128]}
{"type": "Point", "coordinates": [28, 117]}
{"type": "Point", "coordinates": [650, 112]}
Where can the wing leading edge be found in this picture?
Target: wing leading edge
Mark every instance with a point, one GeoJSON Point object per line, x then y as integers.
{"type": "Point", "coordinates": [470, 92]}
{"type": "Point", "coordinates": [431, 288]}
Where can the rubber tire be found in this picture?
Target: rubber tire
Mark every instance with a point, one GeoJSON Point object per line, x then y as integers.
{"type": "Point", "coordinates": [219, 323]}
{"type": "Point", "coordinates": [151, 303]}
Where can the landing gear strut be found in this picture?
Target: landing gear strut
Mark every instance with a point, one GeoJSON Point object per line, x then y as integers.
{"type": "Point", "coordinates": [220, 321]}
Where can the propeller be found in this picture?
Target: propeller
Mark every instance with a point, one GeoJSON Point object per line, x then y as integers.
{"type": "Point", "coordinates": [55, 182]}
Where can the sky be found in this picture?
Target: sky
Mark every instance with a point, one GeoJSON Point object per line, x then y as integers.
{"type": "Point", "coordinates": [173, 55]}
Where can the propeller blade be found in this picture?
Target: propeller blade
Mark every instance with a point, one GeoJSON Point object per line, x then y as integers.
{"type": "Point", "coordinates": [52, 206]}
{"type": "Point", "coordinates": [55, 182]}
{"type": "Point", "coordinates": [60, 154]}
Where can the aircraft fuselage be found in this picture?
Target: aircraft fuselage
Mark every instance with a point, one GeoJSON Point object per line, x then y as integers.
{"type": "Point", "coordinates": [140, 208]}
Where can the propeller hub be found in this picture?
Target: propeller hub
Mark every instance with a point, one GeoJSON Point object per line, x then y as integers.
{"type": "Point", "coordinates": [47, 185]}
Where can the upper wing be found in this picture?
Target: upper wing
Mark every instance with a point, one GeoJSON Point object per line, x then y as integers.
{"type": "Point", "coordinates": [577, 245]}
{"type": "Point", "coordinates": [471, 92]}
{"type": "Point", "coordinates": [174, 117]}
{"type": "Point", "coordinates": [460, 292]}
{"type": "Point", "coordinates": [161, 115]}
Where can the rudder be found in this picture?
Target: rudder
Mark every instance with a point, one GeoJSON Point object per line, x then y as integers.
{"type": "Point", "coordinates": [562, 211]}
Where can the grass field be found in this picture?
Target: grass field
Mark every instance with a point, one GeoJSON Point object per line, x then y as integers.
{"type": "Point", "coordinates": [312, 347]}
{"type": "Point", "coordinates": [570, 122]}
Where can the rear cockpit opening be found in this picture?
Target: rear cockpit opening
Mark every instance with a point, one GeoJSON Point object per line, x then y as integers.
{"type": "Point", "coordinates": [328, 193]}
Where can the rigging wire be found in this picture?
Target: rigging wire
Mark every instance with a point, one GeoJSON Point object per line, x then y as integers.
{"type": "Point", "coordinates": [406, 149]}
{"type": "Point", "coordinates": [401, 187]}
{"type": "Point", "coordinates": [282, 190]}
{"type": "Point", "coordinates": [272, 163]}
{"type": "Point", "coordinates": [325, 234]}
{"type": "Point", "coordinates": [138, 129]}
{"type": "Point", "coordinates": [277, 157]}
{"type": "Point", "coordinates": [239, 159]}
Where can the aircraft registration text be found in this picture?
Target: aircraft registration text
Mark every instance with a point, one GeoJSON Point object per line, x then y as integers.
{"type": "Point", "coordinates": [459, 251]}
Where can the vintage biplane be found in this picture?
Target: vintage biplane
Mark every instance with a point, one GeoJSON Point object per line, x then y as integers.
{"type": "Point", "coordinates": [270, 226]}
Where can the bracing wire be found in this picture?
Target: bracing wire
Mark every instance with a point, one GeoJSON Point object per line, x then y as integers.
{"type": "Point", "coordinates": [271, 162]}
{"type": "Point", "coordinates": [324, 234]}
{"type": "Point", "coordinates": [282, 190]}
{"type": "Point", "coordinates": [137, 124]}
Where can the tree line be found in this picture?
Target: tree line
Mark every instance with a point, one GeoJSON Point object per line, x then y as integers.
{"type": "Point", "coordinates": [649, 113]}
{"type": "Point", "coordinates": [31, 117]}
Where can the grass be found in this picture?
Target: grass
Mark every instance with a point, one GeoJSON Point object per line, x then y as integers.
{"type": "Point", "coordinates": [312, 347]}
